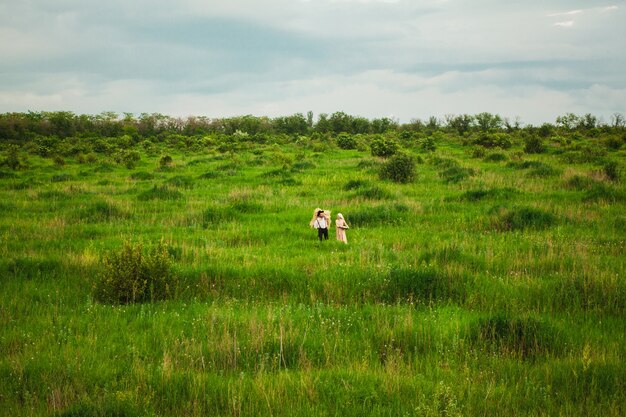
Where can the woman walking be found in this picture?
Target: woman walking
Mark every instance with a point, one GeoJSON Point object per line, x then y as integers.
{"type": "Point", "coordinates": [341, 225]}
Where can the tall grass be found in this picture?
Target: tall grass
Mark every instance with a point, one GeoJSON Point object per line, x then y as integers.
{"type": "Point", "coordinates": [481, 288]}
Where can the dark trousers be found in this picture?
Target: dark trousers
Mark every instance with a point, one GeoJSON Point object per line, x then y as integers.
{"type": "Point", "coordinates": [322, 232]}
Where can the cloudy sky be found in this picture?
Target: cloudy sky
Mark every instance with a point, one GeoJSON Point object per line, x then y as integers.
{"type": "Point", "coordinates": [374, 58]}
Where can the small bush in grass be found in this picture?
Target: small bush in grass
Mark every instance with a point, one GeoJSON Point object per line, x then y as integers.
{"type": "Point", "coordinates": [383, 147]}
{"type": "Point", "coordinates": [399, 168]}
{"type": "Point", "coordinates": [522, 337]}
{"type": "Point", "coordinates": [141, 176]}
{"type": "Point", "coordinates": [181, 181]}
{"type": "Point", "coordinates": [522, 218]}
{"type": "Point", "coordinates": [374, 193]}
{"type": "Point", "coordinates": [354, 184]}
{"type": "Point", "coordinates": [534, 144]}
{"type": "Point", "coordinates": [427, 285]}
{"type": "Point", "coordinates": [160, 193]}
{"type": "Point", "coordinates": [612, 171]}
{"type": "Point", "coordinates": [494, 193]}
{"type": "Point", "coordinates": [13, 159]}
{"type": "Point", "coordinates": [135, 275]}
{"type": "Point", "coordinates": [580, 182]}
{"type": "Point", "coordinates": [101, 211]}
{"type": "Point", "coordinates": [543, 171]}
{"type": "Point", "coordinates": [165, 161]}
{"type": "Point", "coordinates": [495, 157]}
{"type": "Point", "coordinates": [61, 178]}
{"type": "Point", "coordinates": [456, 174]}
{"type": "Point", "coordinates": [603, 192]}
{"type": "Point", "coordinates": [346, 141]}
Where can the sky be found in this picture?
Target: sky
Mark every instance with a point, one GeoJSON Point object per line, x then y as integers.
{"type": "Point", "coordinates": [533, 60]}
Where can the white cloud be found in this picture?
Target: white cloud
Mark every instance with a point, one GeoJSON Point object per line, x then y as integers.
{"type": "Point", "coordinates": [566, 24]}
{"type": "Point", "coordinates": [570, 13]}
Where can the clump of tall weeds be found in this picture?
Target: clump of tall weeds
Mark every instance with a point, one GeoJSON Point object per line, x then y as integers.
{"type": "Point", "coordinates": [136, 275]}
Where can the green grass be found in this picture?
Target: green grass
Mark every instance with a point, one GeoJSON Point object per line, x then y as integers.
{"type": "Point", "coordinates": [481, 288]}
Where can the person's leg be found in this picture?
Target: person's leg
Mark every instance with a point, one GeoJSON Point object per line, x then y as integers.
{"type": "Point", "coordinates": [325, 234]}
{"type": "Point", "coordinates": [320, 233]}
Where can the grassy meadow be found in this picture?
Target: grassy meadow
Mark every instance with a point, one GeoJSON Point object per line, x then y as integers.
{"type": "Point", "coordinates": [492, 284]}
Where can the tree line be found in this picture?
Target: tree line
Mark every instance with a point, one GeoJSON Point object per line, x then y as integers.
{"type": "Point", "coordinates": [17, 127]}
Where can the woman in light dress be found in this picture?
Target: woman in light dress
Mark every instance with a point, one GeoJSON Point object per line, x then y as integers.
{"type": "Point", "coordinates": [341, 226]}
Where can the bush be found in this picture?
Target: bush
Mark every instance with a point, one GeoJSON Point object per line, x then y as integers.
{"type": "Point", "coordinates": [160, 193]}
{"type": "Point", "coordinates": [373, 193]}
{"type": "Point", "coordinates": [399, 168]}
{"type": "Point", "coordinates": [181, 181]}
{"type": "Point", "coordinates": [353, 184]}
{"type": "Point", "coordinates": [543, 171]}
{"type": "Point", "coordinates": [534, 144]}
{"type": "Point", "coordinates": [428, 144]}
{"type": "Point", "coordinates": [456, 174]}
{"type": "Point", "coordinates": [495, 157]}
{"type": "Point", "coordinates": [522, 218]}
{"type": "Point", "coordinates": [493, 140]}
{"type": "Point", "coordinates": [165, 161]}
{"type": "Point", "coordinates": [346, 141]}
{"type": "Point", "coordinates": [427, 285]}
{"type": "Point", "coordinates": [383, 147]}
{"type": "Point", "coordinates": [135, 275]}
{"type": "Point", "coordinates": [612, 171]}
{"type": "Point", "coordinates": [580, 182]}
{"type": "Point", "coordinates": [522, 337]}
{"type": "Point", "coordinates": [13, 159]}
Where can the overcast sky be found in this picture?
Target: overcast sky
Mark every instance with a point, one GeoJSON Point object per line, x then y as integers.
{"type": "Point", "coordinates": [373, 58]}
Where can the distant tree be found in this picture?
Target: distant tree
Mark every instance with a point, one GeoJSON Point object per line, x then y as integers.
{"type": "Point", "coordinates": [568, 121]}
{"type": "Point", "coordinates": [618, 120]}
{"type": "Point", "coordinates": [487, 121]}
{"type": "Point", "coordinates": [461, 123]}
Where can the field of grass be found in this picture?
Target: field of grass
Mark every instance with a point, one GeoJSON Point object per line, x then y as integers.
{"type": "Point", "coordinates": [493, 284]}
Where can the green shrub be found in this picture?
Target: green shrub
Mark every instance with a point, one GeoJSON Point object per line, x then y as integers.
{"type": "Point", "coordinates": [160, 193]}
{"type": "Point", "coordinates": [522, 218]}
{"type": "Point", "coordinates": [399, 168]}
{"type": "Point", "coordinates": [493, 140]}
{"type": "Point", "coordinates": [13, 159]}
{"type": "Point", "coordinates": [612, 171]}
{"type": "Point", "coordinates": [165, 161]}
{"type": "Point", "coordinates": [374, 193]}
{"type": "Point", "coordinates": [521, 337]}
{"type": "Point", "coordinates": [494, 193]}
{"type": "Point", "coordinates": [428, 144]}
{"type": "Point", "coordinates": [580, 182]}
{"type": "Point", "coordinates": [353, 184]}
{"type": "Point", "coordinates": [543, 171]}
{"type": "Point", "coordinates": [383, 147]}
{"type": "Point", "coordinates": [346, 141]}
{"type": "Point", "coordinates": [101, 211]}
{"type": "Point", "coordinates": [61, 178]}
{"type": "Point", "coordinates": [534, 144]}
{"type": "Point", "coordinates": [495, 157]}
{"type": "Point", "coordinates": [456, 174]}
{"type": "Point", "coordinates": [141, 176]}
{"type": "Point", "coordinates": [181, 181]}
{"type": "Point", "coordinates": [603, 192]}
{"type": "Point", "coordinates": [427, 285]}
{"type": "Point", "coordinates": [135, 275]}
